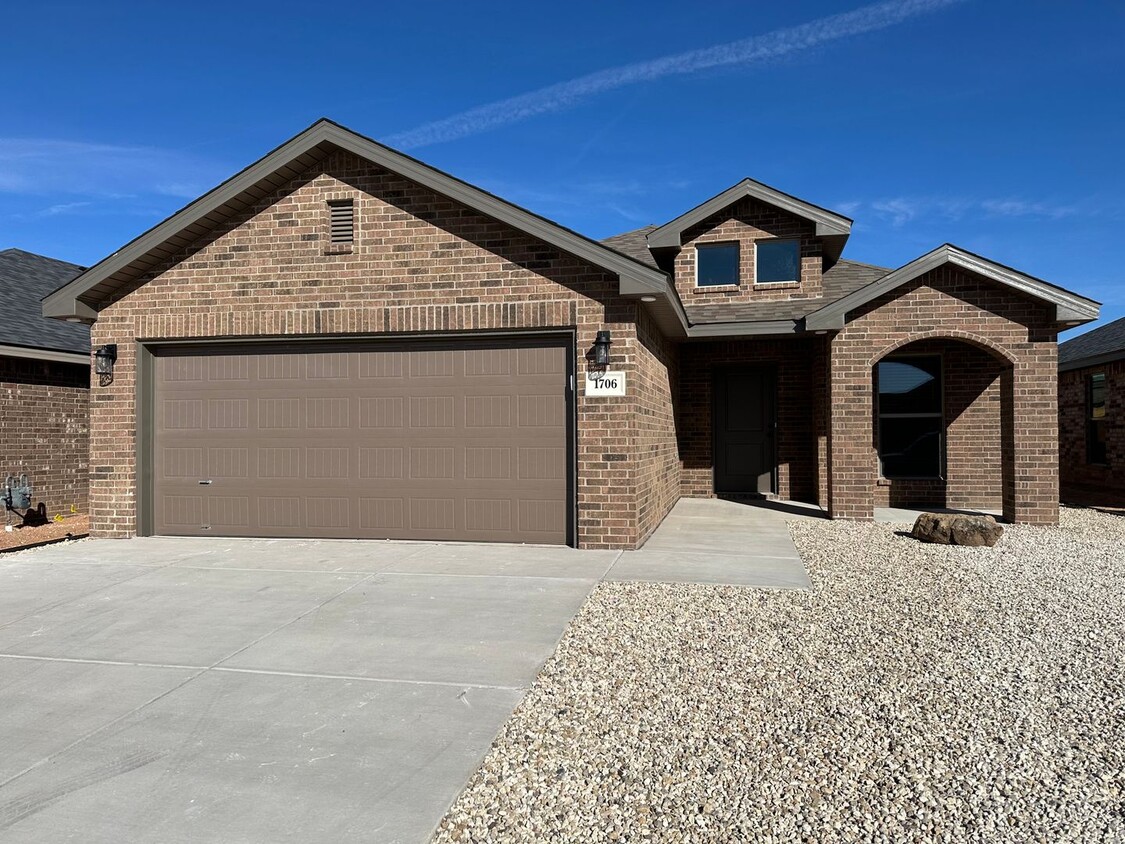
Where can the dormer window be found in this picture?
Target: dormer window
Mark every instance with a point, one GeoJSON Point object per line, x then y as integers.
{"type": "Point", "coordinates": [716, 264]}
{"type": "Point", "coordinates": [777, 262]}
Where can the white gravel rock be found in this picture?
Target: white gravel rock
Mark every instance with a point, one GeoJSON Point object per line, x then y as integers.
{"type": "Point", "coordinates": [917, 693]}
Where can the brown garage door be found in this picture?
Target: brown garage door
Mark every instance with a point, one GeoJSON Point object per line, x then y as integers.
{"type": "Point", "coordinates": [462, 441]}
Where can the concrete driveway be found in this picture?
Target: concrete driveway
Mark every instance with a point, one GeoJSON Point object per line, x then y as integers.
{"type": "Point", "coordinates": [208, 690]}
{"type": "Point", "coordinates": [176, 690]}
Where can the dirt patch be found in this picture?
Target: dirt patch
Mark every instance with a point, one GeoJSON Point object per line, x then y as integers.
{"type": "Point", "coordinates": [22, 537]}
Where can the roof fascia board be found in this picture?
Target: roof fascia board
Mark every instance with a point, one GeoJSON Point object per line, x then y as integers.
{"type": "Point", "coordinates": [59, 306]}
{"type": "Point", "coordinates": [1068, 306]}
{"type": "Point", "coordinates": [65, 302]}
{"type": "Point", "coordinates": [744, 329]}
{"type": "Point", "coordinates": [1093, 360]}
{"type": "Point", "coordinates": [44, 354]}
{"type": "Point", "coordinates": [670, 235]}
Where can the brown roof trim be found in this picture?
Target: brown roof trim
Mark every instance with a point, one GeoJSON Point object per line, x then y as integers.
{"type": "Point", "coordinates": [80, 298]}
{"type": "Point", "coordinates": [52, 355]}
{"type": "Point", "coordinates": [1092, 362]}
{"type": "Point", "coordinates": [833, 227]}
{"type": "Point", "coordinates": [1069, 307]}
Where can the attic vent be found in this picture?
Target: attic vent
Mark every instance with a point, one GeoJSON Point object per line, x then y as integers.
{"type": "Point", "coordinates": [341, 220]}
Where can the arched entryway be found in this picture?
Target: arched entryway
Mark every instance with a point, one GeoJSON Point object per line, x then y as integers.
{"type": "Point", "coordinates": [941, 425]}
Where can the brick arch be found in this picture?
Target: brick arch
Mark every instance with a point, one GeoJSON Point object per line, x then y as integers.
{"type": "Point", "coordinates": [947, 334]}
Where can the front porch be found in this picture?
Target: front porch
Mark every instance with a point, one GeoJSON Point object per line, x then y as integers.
{"type": "Point", "coordinates": [860, 428]}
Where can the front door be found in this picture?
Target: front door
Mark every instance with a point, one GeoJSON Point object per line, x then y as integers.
{"type": "Point", "coordinates": [745, 452]}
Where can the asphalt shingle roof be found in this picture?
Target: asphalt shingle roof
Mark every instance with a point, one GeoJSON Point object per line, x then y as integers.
{"type": "Point", "coordinates": [633, 244]}
{"type": "Point", "coordinates": [25, 278]}
{"type": "Point", "coordinates": [1107, 340]}
{"type": "Point", "coordinates": [839, 280]}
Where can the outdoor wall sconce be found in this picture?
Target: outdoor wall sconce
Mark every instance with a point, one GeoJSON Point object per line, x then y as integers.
{"type": "Point", "coordinates": [601, 349]}
{"type": "Point", "coordinates": [104, 359]}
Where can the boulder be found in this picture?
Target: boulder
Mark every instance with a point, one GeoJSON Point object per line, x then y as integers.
{"type": "Point", "coordinates": [957, 529]}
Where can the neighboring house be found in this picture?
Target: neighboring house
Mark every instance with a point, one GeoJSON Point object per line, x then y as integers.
{"type": "Point", "coordinates": [1092, 411]}
{"type": "Point", "coordinates": [44, 385]}
{"type": "Point", "coordinates": [343, 341]}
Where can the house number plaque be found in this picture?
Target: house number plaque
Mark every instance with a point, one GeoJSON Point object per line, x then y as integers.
{"type": "Point", "coordinates": [609, 383]}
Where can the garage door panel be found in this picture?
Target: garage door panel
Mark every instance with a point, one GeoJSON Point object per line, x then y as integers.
{"type": "Point", "coordinates": [385, 442]}
{"type": "Point", "coordinates": [276, 513]}
{"type": "Point", "coordinates": [182, 511]}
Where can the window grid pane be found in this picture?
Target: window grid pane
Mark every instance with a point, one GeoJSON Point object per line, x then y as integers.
{"type": "Point", "coordinates": [911, 424]}
{"type": "Point", "coordinates": [1096, 451]}
{"type": "Point", "coordinates": [776, 260]}
{"type": "Point", "coordinates": [716, 264]}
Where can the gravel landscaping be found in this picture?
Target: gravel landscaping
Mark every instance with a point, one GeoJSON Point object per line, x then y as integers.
{"type": "Point", "coordinates": [25, 537]}
{"type": "Point", "coordinates": [917, 693]}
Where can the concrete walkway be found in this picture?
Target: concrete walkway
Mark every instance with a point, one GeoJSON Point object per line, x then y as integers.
{"type": "Point", "coordinates": [707, 540]}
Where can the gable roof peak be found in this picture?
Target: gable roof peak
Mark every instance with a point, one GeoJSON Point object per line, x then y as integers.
{"type": "Point", "coordinates": [831, 227]}
{"type": "Point", "coordinates": [82, 297]}
{"type": "Point", "coordinates": [1069, 307]}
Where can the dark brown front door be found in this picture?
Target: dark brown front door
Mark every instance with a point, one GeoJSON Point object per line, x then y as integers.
{"type": "Point", "coordinates": [744, 418]}
{"type": "Point", "coordinates": [443, 441]}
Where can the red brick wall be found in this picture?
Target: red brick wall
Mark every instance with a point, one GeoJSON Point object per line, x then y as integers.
{"type": "Point", "coordinates": [655, 448]}
{"type": "Point", "coordinates": [745, 222]}
{"type": "Point", "coordinates": [949, 303]}
{"type": "Point", "coordinates": [1074, 470]}
{"type": "Point", "coordinates": [793, 360]}
{"type": "Point", "coordinates": [420, 263]}
{"type": "Point", "coordinates": [44, 430]}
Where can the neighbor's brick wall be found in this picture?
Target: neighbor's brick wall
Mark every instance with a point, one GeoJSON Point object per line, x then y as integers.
{"type": "Point", "coordinates": [793, 360]}
{"type": "Point", "coordinates": [745, 222]}
{"type": "Point", "coordinates": [1074, 469]}
{"type": "Point", "coordinates": [44, 430]}
{"type": "Point", "coordinates": [421, 263]}
{"type": "Point", "coordinates": [973, 446]}
{"type": "Point", "coordinates": [950, 303]}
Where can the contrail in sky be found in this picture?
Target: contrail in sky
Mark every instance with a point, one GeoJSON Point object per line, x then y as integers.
{"type": "Point", "coordinates": [759, 48]}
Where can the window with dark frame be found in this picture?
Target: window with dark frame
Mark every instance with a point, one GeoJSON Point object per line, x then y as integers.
{"type": "Point", "coordinates": [1096, 419]}
{"type": "Point", "coordinates": [911, 426]}
{"type": "Point", "coordinates": [716, 264]}
{"type": "Point", "coordinates": [341, 221]}
{"type": "Point", "coordinates": [777, 261]}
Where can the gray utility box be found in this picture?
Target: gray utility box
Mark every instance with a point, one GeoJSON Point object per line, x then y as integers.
{"type": "Point", "coordinates": [17, 493]}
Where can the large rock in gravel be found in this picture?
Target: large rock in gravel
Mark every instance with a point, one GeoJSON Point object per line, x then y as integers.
{"type": "Point", "coordinates": [957, 529]}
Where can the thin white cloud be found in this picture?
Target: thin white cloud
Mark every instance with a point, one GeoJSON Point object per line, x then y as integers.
{"type": "Point", "coordinates": [63, 208]}
{"type": "Point", "coordinates": [106, 171]}
{"type": "Point", "coordinates": [1023, 208]}
{"type": "Point", "coordinates": [899, 211]}
{"type": "Point", "coordinates": [758, 48]}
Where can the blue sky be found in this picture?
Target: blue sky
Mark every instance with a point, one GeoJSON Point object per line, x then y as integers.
{"type": "Point", "coordinates": [998, 126]}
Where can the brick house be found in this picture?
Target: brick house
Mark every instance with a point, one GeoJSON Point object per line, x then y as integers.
{"type": "Point", "coordinates": [343, 341]}
{"type": "Point", "coordinates": [44, 385]}
{"type": "Point", "coordinates": [1092, 414]}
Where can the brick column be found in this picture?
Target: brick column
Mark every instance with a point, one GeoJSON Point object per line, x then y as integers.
{"type": "Point", "coordinates": [851, 466]}
{"type": "Point", "coordinates": [1031, 447]}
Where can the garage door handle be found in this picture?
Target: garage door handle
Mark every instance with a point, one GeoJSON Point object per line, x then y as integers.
{"type": "Point", "coordinates": [204, 483]}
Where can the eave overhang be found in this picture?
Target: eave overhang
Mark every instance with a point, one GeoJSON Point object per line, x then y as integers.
{"type": "Point", "coordinates": [1092, 360]}
{"type": "Point", "coordinates": [1069, 308]}
{"type": "Point", "coordinates": [52, 355]}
